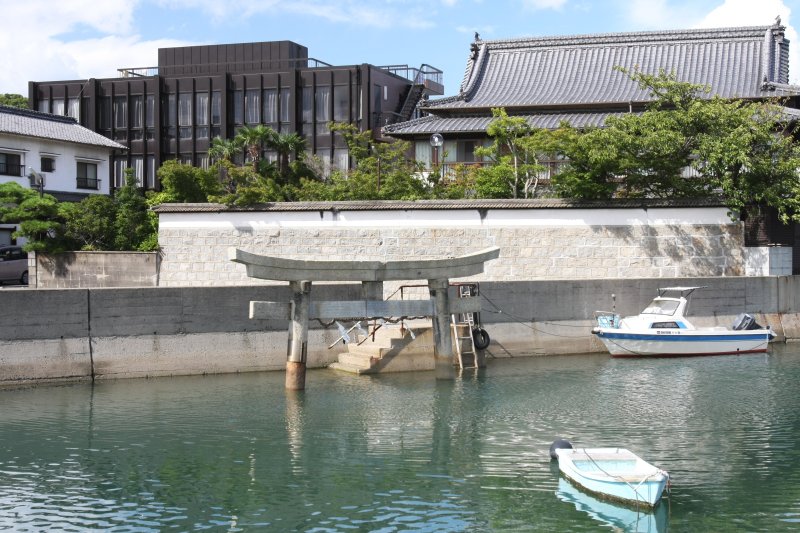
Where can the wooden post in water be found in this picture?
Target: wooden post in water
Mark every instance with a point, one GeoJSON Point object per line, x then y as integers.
{"type": "Point", "coordinates": [298, 336]}
{"type": "Point", "coordinates": [442, 337]}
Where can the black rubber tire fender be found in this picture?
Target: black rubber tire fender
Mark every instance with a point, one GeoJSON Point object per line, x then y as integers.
{"type": "Point", "coordinates": [480, 338]}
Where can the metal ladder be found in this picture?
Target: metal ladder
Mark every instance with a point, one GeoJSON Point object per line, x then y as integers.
{"type": "Point", "coordinates": [462, 325]}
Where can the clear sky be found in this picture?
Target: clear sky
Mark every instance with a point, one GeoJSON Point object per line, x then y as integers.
{"type": "Point", "coordinates": [44, 40]}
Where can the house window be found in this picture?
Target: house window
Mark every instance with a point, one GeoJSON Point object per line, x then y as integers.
{"type": "Point", "coordinates": [87, 176]}
{"type": "Point", "coordinates": [105, 112]}
{"type": "Point", "coordinates": [58, 107]}
{"type": "Point", "coordinates": [48, 164]}
{"type": "Point", "coordinates": [44, 105]}
{"type": "Point", "coordinates": [120, 164]}
{"type": "Point", "coordinates": [10, 165]}
{"type": "Point", "coordinates": [150, 171]}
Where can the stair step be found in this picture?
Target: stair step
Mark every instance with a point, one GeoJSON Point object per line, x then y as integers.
{"type": "Point", "coordinates": [368, 350]}
{"type": "Point", "coordinates": [342, 367]}
{"type": "Point", "coordinates": [360, 360]}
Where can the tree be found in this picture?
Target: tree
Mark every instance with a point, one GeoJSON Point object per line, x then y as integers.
{"type": "Point", "coordinates": [382, 172]}
{"type": "Point", "coordinates": [90, 223]}
{"type": "Point", "coordinates": [186, 183]}
{"type": "Point", "coordinates": [37, 216]}
{"type": "Point", "coordinates": [133, 226]}
{"type": "Point", "coordinates": [224, 149]}
{"type": "Point", "coordinates": [738, 149]}
{"type": "Point", "coordinates": [513, 157]}
{"type": "Point", "coordinates": [13, 100]}
{"type": "Point", "coordinates": [253, 138]}
{"type": "Point", "coordinates": [285, 145]}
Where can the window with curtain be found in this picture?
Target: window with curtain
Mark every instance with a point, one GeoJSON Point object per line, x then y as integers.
{"type": "Point", "coordinates": [74, 108]}
{"type": "Point", "coordinates": [58, 107]}
{"type": "Point", "coordinates": [44, 105]}
{"type": "Point", "coordinates": [201, 115]}
{"type": "Point", "coordinates": [238, 107]}
{"type": "Point", "coordinates": [137, 111]}
{"type": "Point", "coordinates": [105, 112]}
{"type": "Point", "coordinates": [307, 113]}
{"type": "Point", "coordinates": [341, 158]}
{"type": "Point", "coordinates": [137, 163]}
{"type": "Point", "coordinates": [150, 117]}
{"type": "Point", "coordinates": [120, 112]}
{"type": "Point", "coordinates": [216, 113]}
{"type": "Point", "coordinates": [185, 115]}
{"type": "Point", "coordinates": [150, 176]}
{"type": "Point", "coordinates": [285, 109]}
{"type": "Point", "coordinates": [323, 110]}
{"type": "Point", "coordinates": [252, 103]}
{"type": "Point", "coordinates": [120, 164]}
{"type": "Point", "coordinates": [341, 103]}
{"type": "Point", "coordinates": [270, 106]}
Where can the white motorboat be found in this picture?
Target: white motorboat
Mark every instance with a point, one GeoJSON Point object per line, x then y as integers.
{"type": "Point", "coordinates": [662, 329]}
{"type": "Point", "coordinates": [613, 473]}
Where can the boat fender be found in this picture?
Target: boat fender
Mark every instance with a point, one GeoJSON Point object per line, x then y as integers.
{"type": "Point", "coordinates": [559, 444]}
{"type": "Point", "coordinates": [480, 338]}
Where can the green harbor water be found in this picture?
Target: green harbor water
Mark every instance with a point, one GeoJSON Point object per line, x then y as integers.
{"type": "Point", "coordinates": [406, 452]}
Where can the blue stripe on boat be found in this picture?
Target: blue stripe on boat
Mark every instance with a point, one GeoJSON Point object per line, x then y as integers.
{"type": "Point", "coordinates": [683, 338]}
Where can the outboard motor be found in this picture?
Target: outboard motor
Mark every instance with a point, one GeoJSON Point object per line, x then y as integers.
{"type": "Point", "coordinates": [560, 444]}
{"type": "Point", "coordinates": [745, 322]}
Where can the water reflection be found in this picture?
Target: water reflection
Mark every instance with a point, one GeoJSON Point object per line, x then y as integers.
{"type": "Point", "coordinates": [401, 452]}
{"type": "Point", "coordinates": [618, 517]}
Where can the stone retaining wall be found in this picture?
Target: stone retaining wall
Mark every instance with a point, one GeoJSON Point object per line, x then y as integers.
{"type": "Point", "coordinates": [57, 334]}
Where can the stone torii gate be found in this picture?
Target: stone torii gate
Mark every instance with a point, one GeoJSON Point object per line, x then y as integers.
{"type": "Point", "coordinates": [301, 274]}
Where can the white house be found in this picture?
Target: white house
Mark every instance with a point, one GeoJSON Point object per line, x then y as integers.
{"type": "Point", "coordinates": [54, 154]}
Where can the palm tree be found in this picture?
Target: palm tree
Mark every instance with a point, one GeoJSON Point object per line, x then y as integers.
{"type": "Point", "coordinates": [252, 139]}
{"type": "Point", "coordinates": [286, 144]}
{"type": "Point", "coordinates": [223, 149]}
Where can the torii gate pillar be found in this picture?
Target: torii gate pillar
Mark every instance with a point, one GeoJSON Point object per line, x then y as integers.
{"type": "Point", "coordinates": [297, 350]}
{"type": "Point", "coordinates": [442, 337]}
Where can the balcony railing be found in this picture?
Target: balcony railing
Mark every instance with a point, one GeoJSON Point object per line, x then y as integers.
{"type": "Point", "coordinates": [88, 183]}
{"type": "Point", "coordinates": [424, 75]}
{"type": "Point", "coordinates": [11, 169]}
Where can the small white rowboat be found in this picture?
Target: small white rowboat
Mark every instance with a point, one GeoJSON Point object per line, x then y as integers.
{"type": "Point", "coordinates": [613, 473]}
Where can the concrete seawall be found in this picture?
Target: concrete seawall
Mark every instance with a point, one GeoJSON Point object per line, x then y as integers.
{"type": "Point", "coordinates": [57, 334]}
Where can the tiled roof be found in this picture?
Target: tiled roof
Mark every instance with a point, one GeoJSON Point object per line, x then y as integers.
{"type": "Point", "coordinates": [389, 205]}
{"type": "Point", "coordinates": [478, 124]}
{"type": "Point", "coordinates": [28, 123]}
{"type": "Point", "coordinates": [747, 62]}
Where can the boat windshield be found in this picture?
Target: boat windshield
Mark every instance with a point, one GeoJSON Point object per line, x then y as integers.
{"type": "Point", "coordinates": [661, 307]}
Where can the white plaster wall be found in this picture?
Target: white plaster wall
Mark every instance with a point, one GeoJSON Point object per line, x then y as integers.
{"type": "Point", "coordinates": [534, 243]}
{"type": "Point", "coordinates": [66, 157]}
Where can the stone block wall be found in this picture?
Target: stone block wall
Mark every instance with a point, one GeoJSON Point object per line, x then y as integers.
{"type": "Point", "coordinates": [534, 245]}
{"type": "Point", "coordinates": [71, 270]}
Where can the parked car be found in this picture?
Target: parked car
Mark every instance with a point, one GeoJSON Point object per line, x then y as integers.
{"type": "Point", "coordinates": [13, 264]}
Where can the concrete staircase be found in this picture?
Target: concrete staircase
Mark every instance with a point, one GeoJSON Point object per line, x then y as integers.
{"type": "Point", "coordinates": [392, 350]}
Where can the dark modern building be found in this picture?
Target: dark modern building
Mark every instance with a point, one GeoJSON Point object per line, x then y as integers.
{"type": "Point", "coordinates": [196, 93]}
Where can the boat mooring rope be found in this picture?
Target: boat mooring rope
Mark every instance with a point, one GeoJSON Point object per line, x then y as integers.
{"type": "Point", "coordinates": [638, 485]}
